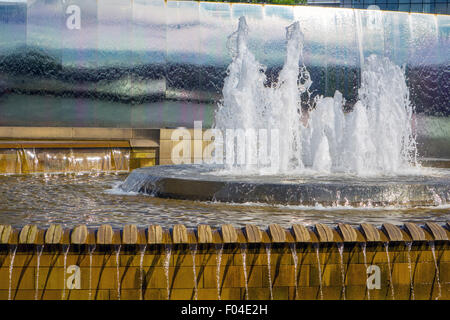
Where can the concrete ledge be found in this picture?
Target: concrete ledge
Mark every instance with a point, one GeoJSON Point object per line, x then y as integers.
{"type": "Point", "coordinates": [79, 133]}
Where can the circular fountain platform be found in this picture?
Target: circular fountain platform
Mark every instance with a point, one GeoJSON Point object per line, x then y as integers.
{"type": "Point", "coordinates": [209, 183]}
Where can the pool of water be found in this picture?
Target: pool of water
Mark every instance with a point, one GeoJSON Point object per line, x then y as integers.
{"type": "Point", "coordinates": [95, 199]}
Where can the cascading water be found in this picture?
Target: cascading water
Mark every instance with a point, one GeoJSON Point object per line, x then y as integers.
{"type": "Point", "coordinates": [438, 280]}
{"type": "Point", "coordinates": [168, 249]}
{"type": "Point", "coordinates": [141, 271]}
{"type": "Point", "coordinates": [193, 249]}
{"type": "Point", "coordinates": [244, 267]}
{"type": "Point", "coordinates": [375, 138]}
{"type": "Point", "coordinates": [320, 270]}
{"type": "Point", "coordinates": [219, 251]}
{"type": "Point", "coordinates": [411, 280]}
{"type": "Point", "coordinates": [269, 275]}
{"type": "Point", "coordinates": [117, 249]}
{"type": "Point", "coordinates": [91, 252]}
{"type": "Point", "coordinates": [363, 247]}
{"type": "Point", "coordinates": [66, 251]}
{"type": "Point", "coordinates": [12, 252]}
{"type": "Point", "coordinates": [39, 250]}
{"type": "Point", "coordinates": [295, 258]}
{"type": "Point", "coordinates": [341, 255]}
{"type": "Point", "coordinates": [391, 284]}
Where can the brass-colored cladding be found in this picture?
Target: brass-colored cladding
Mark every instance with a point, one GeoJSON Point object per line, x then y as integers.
{"type": "Point", "coordinates": [277, 234]}
{"type": "Point", "coordinates": [105, 234]}
{"type": "Point", "coordinates": [5, 233]}
{"type": "Point", "coordinates": [393, 232]}
{"type": "Point", "coordinates": [180, 234]}
{"type": "Point", "coordinates": [154, 234]}
{"type": "Point", "coordinates": [415, 231]}
{"type": "Point", "coordinates": [370, 232]}
{"type": "Point", "coordinates": [79, 234]}
{"type": "Point", "coordinates": [301, 233]}
{"type": "Point", "coordinates": [437, 231]}
{"type": "Point", "coordinates": [130, 234]}
{"type": "Point", "coordinates": [348, 233]}
{"type": "Point", "coordinates": [28, 234]}
{"type": "Point", "coordinates": [204, 234]}
{"type": "Point", "coordinates": [54, 234]}
{"type": "Point", "coordinates": [324, 232]}
{"type": "Point", "coordinates": [253, 233]}
{"type": "Point", "coordinates": [229, 234]}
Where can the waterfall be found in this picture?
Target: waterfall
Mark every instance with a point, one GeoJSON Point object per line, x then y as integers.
{"type": "Point", "coordinates": [268, 246]}
{"type": "Point", "coordinates": [341, 254]}
{"type": "Point", "coordinates": [363, 247]}
{"type": "Point", "coordinates": [219, 251]}
{"type": "Point", "coordinates": [117, 249]}
{"type": "Point", "coordinates": [386, 246]}
{"type": "Point", "coordinates": [320, 271]}
{"type": "Point", "coordinates": [408, 246]}
{"type": "Point", "coordinates": [13, 251]}
{"type": "Point", "coordinates": [433, 251]}
{"type": "Point", "coordinates": [141, 271]}
{"type": "Point", "coordinates": [66, 251]}
{"type": "Point", "coordinates": [193, 249]}
{"type": "Point", "coordinates": [244, 267]}
{"type": "Point", "coordinates": [295, 258]}
{"type": "Point", "coordinates": [39, 250]}
{"type": "Point", "coordinates": [91, 251]}
{"type": "Point", "coordinates": [168, 249]}
{"type": "Point", "coordinates": [315, 135]}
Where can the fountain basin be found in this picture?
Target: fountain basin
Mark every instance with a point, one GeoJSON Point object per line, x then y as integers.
{"type": "Point", "coordinates": [206, 183]}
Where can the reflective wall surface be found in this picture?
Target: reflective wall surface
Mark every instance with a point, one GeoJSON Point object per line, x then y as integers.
{"type": "Point", "coordinates": [151, 63]}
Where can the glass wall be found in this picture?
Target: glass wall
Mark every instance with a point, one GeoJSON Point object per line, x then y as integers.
{"type": "Point", "coordinates": [425, 6]}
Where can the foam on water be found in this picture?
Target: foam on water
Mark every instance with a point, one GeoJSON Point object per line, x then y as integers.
{"type": "Point", "coordinates": [314, 135]}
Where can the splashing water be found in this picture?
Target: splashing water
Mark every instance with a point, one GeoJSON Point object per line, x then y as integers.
{"type": "Point", "coordinates": [244, 267]}
{"type": "Point", "coordinates": [391, 284]}
{"type": "Point", "coordinates": [39, 250]}
{"type": "Point", "coordinates": [219, 251]}
{"type": "Point", "coordinates": [166, 268]}
{"type": "Point", "coordinates": [341, 254]}
{"type": "Point", "coordinates": [66, 251]}
{"type": "Point", "coordinates": [295, 258]}
{"type": "Point", "coordinates": [91, 252]}
{"type": "Point", "coordinates": [363, 247]}
{"type": "Point", "coordinates": [268, 247]}
{"type": "Point", "coordinates": [118, 247]}
{"type": "Point", "coordinates": [320, 271]}
{"type": "Point", "coordinates": [13, 251]}
{"type": "Point", "coordinates": [141, 272]}
{"type": "Point", "coordinates": [312, 135]}
{"type": "Point", "coordinates": [433, 251]}
{"type": "Point", "coordinates": [193, 248]}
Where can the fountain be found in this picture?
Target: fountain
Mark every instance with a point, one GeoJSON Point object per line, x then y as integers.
{"type": "Point", "coordinates": [314, 116]}
{"type": "Point", "coordinates": [316, 153]}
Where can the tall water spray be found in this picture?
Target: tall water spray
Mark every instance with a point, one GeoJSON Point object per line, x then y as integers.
{"type": "Point", "coordinates": [375, 138]}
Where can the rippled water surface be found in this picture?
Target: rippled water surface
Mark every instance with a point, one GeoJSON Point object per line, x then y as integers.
{"type": "Point", "coordinates": [94, 199]}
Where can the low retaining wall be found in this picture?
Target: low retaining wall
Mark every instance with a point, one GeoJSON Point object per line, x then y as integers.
{"type": "Point", "coordinates": [316, 262]}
